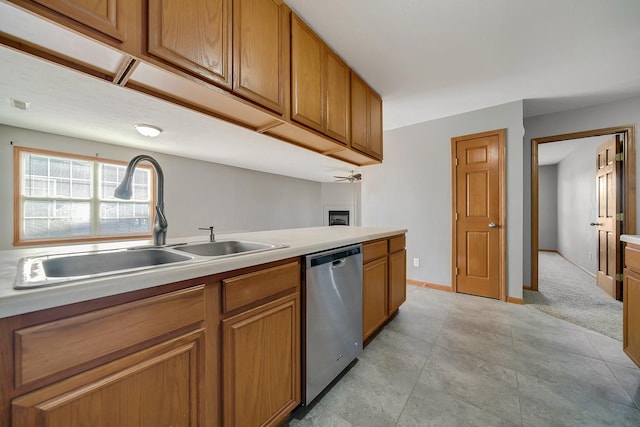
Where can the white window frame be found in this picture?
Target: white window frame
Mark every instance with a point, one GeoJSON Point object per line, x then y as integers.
{"type": "Point", "coordinates": [94, 199]}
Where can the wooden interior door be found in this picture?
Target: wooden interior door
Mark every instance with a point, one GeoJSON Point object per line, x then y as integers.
{"type": "Point", "coordinates": [608, 227]}
{"type": "Point", "coordinates": [478, 176]}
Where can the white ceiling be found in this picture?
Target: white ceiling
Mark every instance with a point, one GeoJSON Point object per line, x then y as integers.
{"type": "Point", "coordinates": [427, 58]}
{"type": "Point", "coordinates": [552, 153]}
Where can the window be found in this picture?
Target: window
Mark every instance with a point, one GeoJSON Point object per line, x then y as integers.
{"type": "Point", "coordinates": [63, 197]}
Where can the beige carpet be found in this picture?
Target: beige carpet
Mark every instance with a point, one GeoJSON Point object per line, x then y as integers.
{"type": "Point", "coordinates": [567, 292]}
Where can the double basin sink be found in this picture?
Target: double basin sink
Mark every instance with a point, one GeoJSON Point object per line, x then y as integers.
{"type": "Point", "coordinates": [55, 269]}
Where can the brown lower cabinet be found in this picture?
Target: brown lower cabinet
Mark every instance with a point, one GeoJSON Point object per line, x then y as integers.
{"type": "Point", "coordinates": [162, 385]}
{"type": "Point", "coordinates": [261, 359]}
{"type": "Point", "coordinates": [384, 281]}
{"type": "Point", "coordinates": [631, 303]}
{"type": "Point", "coordinates": [222, 350]}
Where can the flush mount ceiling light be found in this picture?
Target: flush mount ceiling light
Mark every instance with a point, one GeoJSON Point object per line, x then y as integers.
{"type": "Point", "coordinates": [147, 130]}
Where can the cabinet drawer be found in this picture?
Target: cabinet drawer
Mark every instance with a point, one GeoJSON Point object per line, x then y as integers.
{"type": "Point", "coordinates": [53, 347]}
{"type": "Point", "coordinates": [249, 288]}
{"type": "Point", "coordinates": [396, 244]}
{"type": "Point", "coordinates": [371, 251]}
{"type": "Point", "coordinates": [632, 257]}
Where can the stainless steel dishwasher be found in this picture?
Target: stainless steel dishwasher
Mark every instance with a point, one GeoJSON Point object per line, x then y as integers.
{"type": "Point", "coordinates": [333, 321]}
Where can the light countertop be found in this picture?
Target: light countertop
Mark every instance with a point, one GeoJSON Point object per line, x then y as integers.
{"type": "Point", "coordinates": [300, 241]}
{"type": "Point", "coordinates": [630, 238]}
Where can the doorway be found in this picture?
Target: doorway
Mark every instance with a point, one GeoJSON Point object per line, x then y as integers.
{"type": "Point", "coordinates": [628, 180]}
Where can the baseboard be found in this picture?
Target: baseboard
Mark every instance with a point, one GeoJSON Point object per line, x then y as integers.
{"type": "Point", "coordinates": [429, 285]}
{"type": "Point", "coordinates": [515, 300]}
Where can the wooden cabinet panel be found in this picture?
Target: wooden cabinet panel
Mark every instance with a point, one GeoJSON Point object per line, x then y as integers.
{"type": "Point", "coordinates": [397, 280]}
{"type": "Point", "coordinates": [52, 347]}
{"type": "Point", "coordinates": [337, 111]}
{"type": "Point", "coordinates": [631, 315]}
{"type": "Point", "coordinates": [158, 386]}
{"type": "Point", "coordinates": [375, 124]}
{"type": "Point", "coordinates": [261, 359]}
{"type": "Point", "coordinates": [101, 15]}
{"type": "Point", "coordinates": [306, 76]}
{"type": "Point", "coordinates": [373, 250]}
{"type": "Point", "coordinates": [366, 118]}
{"type": "Point", "coordinates": [252, 287]}
{"type": "Point", "coordinates": [374, 296]}
{"type": "Point", "coordinates": [194, 36]}
{"type": "Point", "coordinates": [397, 243]}
{"type": "Point", "coordinates": [259, 29]}
{"type": "Point", "coordinates": [359, 115]}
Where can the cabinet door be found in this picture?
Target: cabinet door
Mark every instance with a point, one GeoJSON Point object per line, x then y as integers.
{"type": "Point", "coordinates": [306, 76]}
{"type": "Point", "coordinates": [160, 386]}
{"type": "Point", "coordinates": [337, 110]}
{"type": "Point", "coordinates": [631, 315]}
{"type": "Point", "coordinates": [374, 296]}
{"type": "Point", "coordinates": [261, 363]}
{"type": "Point", "coordinates": [194, 36]}
{"type": "Point", "coordinates": [101, 15]}
{"type": "Point", "coordinates": [258, 51]}
{"type": "Point", "coordinates": [359, 114]}
{"type": "Point", "coordinates": [397, 279]}
{"type": "Point", "coordinates": [375, 124]}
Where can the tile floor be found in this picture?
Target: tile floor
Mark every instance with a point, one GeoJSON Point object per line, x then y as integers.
{"type": "Point", "coordinates": [457, 360]}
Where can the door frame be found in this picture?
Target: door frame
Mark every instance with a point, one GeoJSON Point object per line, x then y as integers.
{"type": "Point", "coordinates": [628, 183]}
{"type": "Point", "coordinates": [501, 212]}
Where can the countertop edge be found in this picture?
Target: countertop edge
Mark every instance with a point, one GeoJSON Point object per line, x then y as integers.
{"type": "Point", "coordinates": [300, 242]}
{"type": "Point", "coordinates": [630, 238]}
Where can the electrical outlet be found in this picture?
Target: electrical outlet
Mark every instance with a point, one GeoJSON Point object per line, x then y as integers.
{"type": "Point", "coordinates": [590, 256]}
{"type": "Point", "coordinates": [416, 262]}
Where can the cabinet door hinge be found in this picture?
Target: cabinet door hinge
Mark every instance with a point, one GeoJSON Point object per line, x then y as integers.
{"type": "Point", "coordinates": [620, 157]}
{"type": "Point", "coordinates": [619, 277]}
{"type": "Point", "coordinates": [620, 217]}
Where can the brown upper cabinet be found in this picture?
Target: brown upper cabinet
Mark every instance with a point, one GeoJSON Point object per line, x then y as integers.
{"type": "Point", "coordinates": [194, 36]}
{"type": "Point", "coordinates": [366, 118]}
{"type": "Point", "coordinates": [249, 62]}
{"type": "Point", "coordinates": [101, 15]}
{"type": "Point", "coordinates": [260, 51]}
{"type": "Point", "coordinates": [319, 84]}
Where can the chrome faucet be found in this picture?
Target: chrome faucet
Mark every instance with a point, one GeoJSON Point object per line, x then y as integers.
{"type": "Point", "coordinates": [124, 191]}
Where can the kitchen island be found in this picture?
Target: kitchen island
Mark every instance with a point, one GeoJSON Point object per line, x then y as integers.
{"type": "Point", "coordinates": [201, 343]}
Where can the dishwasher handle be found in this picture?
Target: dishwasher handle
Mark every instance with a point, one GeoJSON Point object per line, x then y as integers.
{"type": "Point", "coordinates": [339, 263]}
{"type": "Point", "coordinates": [332, 256]}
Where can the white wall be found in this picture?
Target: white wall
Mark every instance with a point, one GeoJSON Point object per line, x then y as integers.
{"type": "Point", "coordinates": [548, 207]}
{"type": "Point", "coordinates": [341, 196]}
{"type": "Point", "coordinates": [197, 194]}
{"type": "Point", "coordinates": [619, 113]}
{"type": "Point", "coordinates": [577, 206]}
{"type": "Point", "coordinates": [412, 189]}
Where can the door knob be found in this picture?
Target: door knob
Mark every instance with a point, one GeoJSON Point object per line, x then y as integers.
{"type": "Point", "coordinates": [492, 225]}
{"type": "Point", "coordinates": [595, 223]}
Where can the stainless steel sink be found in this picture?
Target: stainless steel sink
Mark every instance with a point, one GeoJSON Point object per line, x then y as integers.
{"type": "Point", "coordinates": [227, 248]}
{"type": "Point", "coordinates": [53, 269]}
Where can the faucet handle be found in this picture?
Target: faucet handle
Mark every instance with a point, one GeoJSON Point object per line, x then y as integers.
{"type": "Point", "coordinates": [212, 237]}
